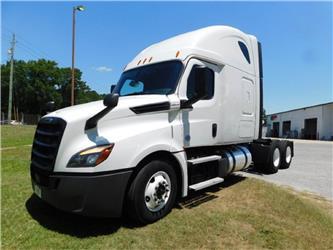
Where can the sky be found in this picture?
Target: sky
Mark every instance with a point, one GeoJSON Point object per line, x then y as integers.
{"type": "Point", "coordinates": [296, 39]}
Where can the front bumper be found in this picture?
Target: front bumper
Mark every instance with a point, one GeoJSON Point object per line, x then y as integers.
{"type": "Point", "coordinates": [98, 195]}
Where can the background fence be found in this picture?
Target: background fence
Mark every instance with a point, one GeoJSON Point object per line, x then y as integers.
{"type": "Point", "coordinates": [21, 118]}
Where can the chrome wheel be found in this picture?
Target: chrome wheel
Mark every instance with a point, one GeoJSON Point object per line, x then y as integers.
{"type": "Point", "coordinates": [276, 157]}
{"type": "Point", "coordinates": [288, 154]}
{"type": "Point", "coordinates": [157, 191]}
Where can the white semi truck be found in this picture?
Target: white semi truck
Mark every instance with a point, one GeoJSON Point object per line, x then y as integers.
{"type": "Point", "coordinates": [185, 113]}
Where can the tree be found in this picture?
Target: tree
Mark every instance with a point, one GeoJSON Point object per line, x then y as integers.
{"type": "Point", "coordinates": [264, 117]}
{"type": "Point", "coordinates": [38, 82]}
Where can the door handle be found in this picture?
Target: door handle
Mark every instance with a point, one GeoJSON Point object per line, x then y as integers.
{"type": "Point", "coordinates": [214, 130]}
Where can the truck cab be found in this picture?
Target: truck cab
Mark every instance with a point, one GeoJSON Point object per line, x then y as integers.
{"type": "Point", "coordinates": [185, 113]}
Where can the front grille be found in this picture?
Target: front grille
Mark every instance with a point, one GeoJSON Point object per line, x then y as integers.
{"type": "Point", "coordinates": [43, 178]}
{"type": "Point", "coordinates": [46, 143]}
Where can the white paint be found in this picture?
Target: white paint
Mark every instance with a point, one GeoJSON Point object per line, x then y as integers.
{"type": "Point", "coordinates": [323, 113]}
{"type": "Point", "coordinates": [234, 106]}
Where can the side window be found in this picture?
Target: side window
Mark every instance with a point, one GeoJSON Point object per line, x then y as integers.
{"type": "Point", "coordinates": [245, 51]}
{"type": "Point", "coordinates": [191, 81]}
{"type": "Point", "coordinates": [131, 87]}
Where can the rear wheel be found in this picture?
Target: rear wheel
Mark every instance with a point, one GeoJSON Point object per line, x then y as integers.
{"type": "Point", "coordinates": [274, 158]}
{"type": "Point", "coordinates": [153, 192]}
{"type": "Point", "coordinates": [286, 154]}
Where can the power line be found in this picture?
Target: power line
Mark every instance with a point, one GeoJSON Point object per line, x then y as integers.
{"type": "Point", "coordinates": [28, 52]}
{"type": "Point", "coordinates": [24, 50]}
{"type": "Point", "coordinates": [4, 35]}
{"type": "Point", "coordinates": [27, 44]}
{"type": "Point", "coordinates": [31, 51]}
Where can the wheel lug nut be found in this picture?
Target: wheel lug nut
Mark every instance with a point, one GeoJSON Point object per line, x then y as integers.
{"type": "Point", "coordinates": [147, 198]}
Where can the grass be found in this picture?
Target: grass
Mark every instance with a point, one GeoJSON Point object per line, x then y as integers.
{"type": "Point", "coordinates": [242, 213]}
{"type": "Point", "coordinates": [12, 136]}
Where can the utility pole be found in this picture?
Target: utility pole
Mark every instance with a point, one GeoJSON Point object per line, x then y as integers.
{"type": "Point", "coordinates": [10, 97]}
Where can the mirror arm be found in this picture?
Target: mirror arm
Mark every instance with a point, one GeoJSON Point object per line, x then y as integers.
{"type": "Point", "coordinates": [110, 101]}
{"type": "Point", "coordinates": [185, 104]}
{"type": "Point", "coordinates": [92, 121]}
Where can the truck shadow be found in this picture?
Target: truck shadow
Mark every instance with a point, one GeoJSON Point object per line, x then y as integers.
{"type": "Point", "coordinates": [256, 171]}
{"type": "Point", "coordinates": [82, 227]}
{"type": "Point", "coordinates": [195, 199]}
{"type": "Point", "coordinates": [253, 170]}
{"type": "Point", "coordinates": [71, 224]}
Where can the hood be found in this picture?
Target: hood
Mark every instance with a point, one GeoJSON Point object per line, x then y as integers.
{"type": "Point", "coordinates": [87, 110]}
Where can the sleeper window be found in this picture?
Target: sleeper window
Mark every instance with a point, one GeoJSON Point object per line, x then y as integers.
{"type": "Point", "coordinates": [245, 51]}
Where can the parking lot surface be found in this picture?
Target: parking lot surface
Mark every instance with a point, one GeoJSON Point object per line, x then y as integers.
{"type": "Point", "coordinates": [311, 169]}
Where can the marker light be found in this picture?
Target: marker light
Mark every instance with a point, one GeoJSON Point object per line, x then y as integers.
{"type": "Point", "coordinates": [150, 59]}
{"type": "Point", "coordinates": [144, 61]}
{"type": "Point", "coordinates": [139, 62]}
{"type": "Point", "coordinates": [177, 54]}
{"type": "Point", "coordinates": [90, 157]}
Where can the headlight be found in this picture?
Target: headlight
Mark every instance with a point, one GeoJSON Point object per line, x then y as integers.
{"type": "Point", "coordinates": [90, 157]}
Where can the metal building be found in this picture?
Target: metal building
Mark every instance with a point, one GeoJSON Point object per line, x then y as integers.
{"type": "Point", "coordinates": [313, 122]}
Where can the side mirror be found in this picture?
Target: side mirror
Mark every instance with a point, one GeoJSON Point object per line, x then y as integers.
{"type": "Point", "coordinates": [111, 100]}
{"type": "Point", "coordinates": [50, 106]}
{"type": "Point", "coordinates": [112, 88]}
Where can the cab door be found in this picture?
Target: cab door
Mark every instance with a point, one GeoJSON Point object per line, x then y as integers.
{"type": "Point", "coordinates": [200, 126]}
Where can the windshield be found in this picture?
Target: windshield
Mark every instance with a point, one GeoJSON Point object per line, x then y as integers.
{"type": "Point", "coordinates": [159, 78]}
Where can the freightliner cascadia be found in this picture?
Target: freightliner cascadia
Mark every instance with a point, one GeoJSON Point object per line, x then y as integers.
{"type": "Point", "coordinates": [185, 113]}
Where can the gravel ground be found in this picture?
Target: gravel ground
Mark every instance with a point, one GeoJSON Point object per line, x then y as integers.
{"type": "Point", "coordinates": [311, 169]}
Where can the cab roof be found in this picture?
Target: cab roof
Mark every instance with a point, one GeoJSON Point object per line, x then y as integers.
{"type": "Point", "coordinates": [219, 44]}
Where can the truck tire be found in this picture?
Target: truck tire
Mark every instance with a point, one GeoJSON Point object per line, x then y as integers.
{"type": "Point", "coordinates": [274, 158]}
{"type": "Point", "coordinates": [153, 192]}
{"type": "Point", "coordinates": [286, 154]}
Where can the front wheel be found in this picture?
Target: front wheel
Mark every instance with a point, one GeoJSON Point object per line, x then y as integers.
{"type": "Point", "coordinates": [153, 192]}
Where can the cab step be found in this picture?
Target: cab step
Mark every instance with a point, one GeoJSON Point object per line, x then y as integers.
{"type": "Point", "coordinates": [204, 159]}
{"type": "Point", "coordinates": [205, 184]}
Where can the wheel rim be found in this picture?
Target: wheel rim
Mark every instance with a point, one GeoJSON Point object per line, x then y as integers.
{"type": "Point", "coordinates": [288, 154]}
{"type": "Point", "coordinates": [157, 191]}
{"type": "Point", "coordinates": [276, 157]}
